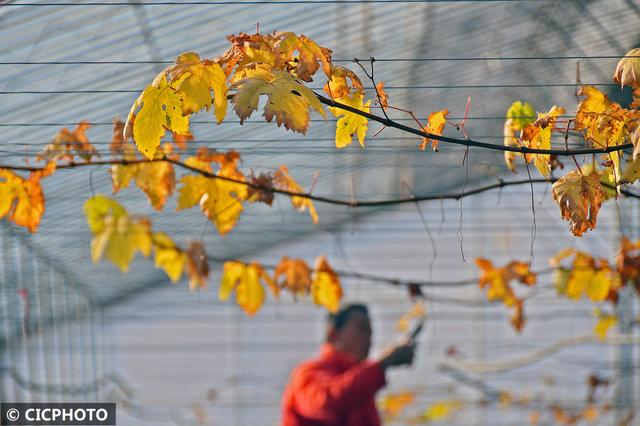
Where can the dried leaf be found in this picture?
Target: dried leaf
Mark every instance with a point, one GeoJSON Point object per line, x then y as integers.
{"type": "Point", "coordinates": [65, 142]}
{"type": "Point", "coordinates": [579, 198]}
{"type": "Point", "coordinates": [338, 86]}
{"type": "Point", "coordinates": [305, 64]}
{"type": "Point", "coordinates": [628, 69]}
{"type": "Point", "coordinates": [296, 276]}
{"type": "Point", "coordinates": [264, 191]}
{"type": "Point", "coordinates": [197, 265]}
{"type": "Point", "coordinates": [384, 97]}
{"type": "Point", "coordinates": [435, 126]}
{"type": "Point", "coordinates": [283, 181]}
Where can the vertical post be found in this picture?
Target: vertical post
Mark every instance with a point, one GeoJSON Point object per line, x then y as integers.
{"type": "Point", "coordinates": [625, 373]}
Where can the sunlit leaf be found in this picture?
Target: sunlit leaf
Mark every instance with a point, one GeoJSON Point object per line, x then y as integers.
{"type": "Point", "coordinates": [579, 198]}
{"type": "Point", "coordinates": [349, 123]}
{"type": "Point", "coordinates": [435, 126]}
{"type": "Point", "coordinates": [325, 288]}
{"type": "Point", "coordinates": [245, 280]}
{"type": "Point", "coordinates": [283, 181]}
{"type": "Point", "coordinates": [168, 256]}
{"type": "Point", "coordinates": [116, 233]}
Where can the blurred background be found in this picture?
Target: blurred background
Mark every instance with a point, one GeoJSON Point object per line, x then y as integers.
{"type": "Point", "coordinates": [74, 331]}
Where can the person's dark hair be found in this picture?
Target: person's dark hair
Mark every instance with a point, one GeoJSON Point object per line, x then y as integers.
{"type": "Point", "coordinates": [338, 319]}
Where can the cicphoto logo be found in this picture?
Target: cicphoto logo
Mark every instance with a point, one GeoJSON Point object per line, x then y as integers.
{"type": "Point", "coordinates": [58, 414]}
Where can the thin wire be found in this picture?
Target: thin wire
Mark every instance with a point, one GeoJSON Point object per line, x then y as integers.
{"type": "Point", "coordinates": [262, 2]}
{"type": "Point", "coordinates": [454, 86]}
{"type": "Point", "coordinates": [434, 59]}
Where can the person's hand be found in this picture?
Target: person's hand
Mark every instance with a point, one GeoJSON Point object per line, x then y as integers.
{"type": "Point", "coordinates": [398, 355]}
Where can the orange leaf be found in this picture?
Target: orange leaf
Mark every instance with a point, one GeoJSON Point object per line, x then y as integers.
{"type": "Point", "coordinates": [579, 198]}
{"type": "Point", "coordinates": [65, 142]}
{"type": "Point", "coordinates": [285, 182]}
{"type": "Point", "coordinates": [435, 126]}
{"type": "Point", "coordinates": [22, 200]}
{"type": "Point", "coordinates": [296, 276]}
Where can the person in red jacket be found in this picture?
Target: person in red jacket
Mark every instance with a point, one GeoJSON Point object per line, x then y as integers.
{"type": "Point", "coordinates": [338, 387]}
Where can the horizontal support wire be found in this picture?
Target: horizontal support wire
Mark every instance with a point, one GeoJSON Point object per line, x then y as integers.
{"type": "Point", "coordinates": [454, 86]}
{"type": "Point", "coordinates": [261, 2]}
{"type": "Point", "coordinates": [434, 59]}
{"type": "Point", "coordinates": [348, 203]}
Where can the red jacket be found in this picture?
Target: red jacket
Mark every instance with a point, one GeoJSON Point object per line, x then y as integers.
{"type": "Point", "coordinates": [333, 390]}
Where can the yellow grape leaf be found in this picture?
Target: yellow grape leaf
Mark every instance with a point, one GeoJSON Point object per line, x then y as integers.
{"type": "Point", "coordinates": [585, 276]}
{"type": "Point", "coordinates": [156, 179]}
{"type": "Point", "coordinates": [631, 172]}
{"type": "Point", "coordinates": [628, 69]}
{"type": "Point", "coordinates": [196, 79]}
{"type": "Point", "coordinates": [604, 123]}
{"type": "Point", "coordinates": [325, 288]}
{"type": "Point", "coordinates": [337, 85]}
{"type": "Point", "coordinates": [392, 404]}
{"type": "Point", "coordinates": [305, 64]}
{"type": "Point", "coordinates": [604, 324]}
{"type": "Point", "coordinates": [65, 142]}
{"type": "Point", "coordinates": [349, 123]}
{"type": "Point", "coordinates": [287, 100]}
{"type": "Point", "coordinates": [22, 200]}
{"type": "Point", "coordinates": [510, 139]}
{"type": "Point", "coordinates": [296, 276]}
{"type": "Point", "coordinates": [417, 310]}
{"type": "Point", "coordinates": [115, 232]}
{"type": "Point", "coordinates": [197, 265]}
{"type": "Point", "coordinates": [244, 279]}
{"type": "Point", "coordinates": [521, 114]}
{"type": "Point", "coordinates": [440, 410]}
{"type": "Point", "coordinates": [220, 200]}
{"type": "Point", "coordinates": [160, 108]}
{"type": "Point", "coordinates": [168, 257]}
{"type": "Point", "coordinates": [538, 136]}
{"type": "Point", "coordinates": [283, 181]}
{"type": "Point", "coordinates": [498, 280]}
{"type": "Point", "coordinates": [579, 198]}
{"type": "Point", "coordinates": [435, 126]}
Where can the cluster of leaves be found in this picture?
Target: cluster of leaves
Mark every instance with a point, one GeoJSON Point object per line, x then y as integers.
{"type": "Point", "coordinates": [497, 282]}
{"type": "Point", "coordinates": [602, 123]}
{"type": "Point", "coordinates": [119, 235]}
{"type": "Point", "coordinates": [578, 275]}
{"type": "Point", "coordinates": [248, 280]}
